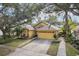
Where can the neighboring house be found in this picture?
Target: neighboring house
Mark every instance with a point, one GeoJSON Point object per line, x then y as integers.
{"type": "Point", "coordinates": [46, 32]}
{"type": "Point", "coordinates": [28, 32]}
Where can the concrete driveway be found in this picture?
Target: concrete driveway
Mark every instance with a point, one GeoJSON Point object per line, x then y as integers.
{"type": "Point", "coordinates": [35, 48]}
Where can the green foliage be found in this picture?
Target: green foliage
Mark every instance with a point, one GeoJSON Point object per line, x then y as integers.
{"type": "Point", "coordinates": [70, 38]}
{"type": "Point", "coordinates": [71, 24]}
{"type": "Point", "coordinates": [34, 9]}
{"type": "Point", "coordinates": [52, 18]}
{"type": "Point", "coordinates": [18, 30]}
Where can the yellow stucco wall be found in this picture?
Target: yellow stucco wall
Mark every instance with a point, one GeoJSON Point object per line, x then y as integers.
{"type": "Point", "coordinates": [31, 33]}
{"type": "Point", "coordinates": [45, 35]}
{"type": "Point", "coordinates": [25, 32]}
{"type": "Point", "coordinates": [40, 34]}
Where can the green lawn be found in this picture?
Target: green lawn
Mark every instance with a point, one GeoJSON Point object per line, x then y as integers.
{"type": "Point", "coordinates": [70, 50]}
{"type": "Point", "coordinates": [53, 49]}
{"type": "Point", "coordinates": [15, 43]}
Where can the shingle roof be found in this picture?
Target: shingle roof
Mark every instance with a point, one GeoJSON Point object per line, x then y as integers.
{"type": "Point", "coordinates": [45, 28]}
{"type": "Point", "coordinates": [29, 27]}
{"type": "Point", "coordinates": [41, 23]}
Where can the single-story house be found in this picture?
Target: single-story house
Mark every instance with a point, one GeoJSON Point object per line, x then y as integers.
{"type": "Point", "coordinates": [28, 32]}
{"type": "Point", "coordinates": [46, 32]}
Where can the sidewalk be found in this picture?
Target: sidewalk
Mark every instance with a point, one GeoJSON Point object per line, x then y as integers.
{"type": "Point", "coordinates": [62, 48]}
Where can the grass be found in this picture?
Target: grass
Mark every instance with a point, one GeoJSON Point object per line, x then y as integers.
{"type": "Point", "coordinates": [53, 49]}
{"type": "Point", "coordinates": [71, 51]}
{"type": "Point", "coordinates": [15, 43]}
{"type": "Point", "coordinates": [5, 51]}
{"type": "Point", "coordinates": [28, 41]}
{"type": "Point", "coordinates": [2, 41]}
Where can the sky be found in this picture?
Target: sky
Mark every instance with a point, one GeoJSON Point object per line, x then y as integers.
{"type": "Point", "coordinates": [74, 18]}
{"type": "Point", "coordinates": [59, 18]}
{"type": "Point", "coordinates": [42, 16]}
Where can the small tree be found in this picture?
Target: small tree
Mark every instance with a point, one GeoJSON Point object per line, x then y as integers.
{"type": "Point", "coordinates": [18, 31]}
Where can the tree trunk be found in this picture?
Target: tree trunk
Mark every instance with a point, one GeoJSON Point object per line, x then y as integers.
{"type": "Point", "coordinates": [67, 28]}
{"type": "Point", "coordinates": [9, 32]}
{"type": "Point", "coordinates": [4, 34]}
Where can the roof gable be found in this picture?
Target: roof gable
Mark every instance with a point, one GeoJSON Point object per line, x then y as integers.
{"type": "Point", "coordinates": [41, 24]}
{"type": "Point", "coordinates": [29, 27]}
{"type": "Point", "coordinates": [45, 28]}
